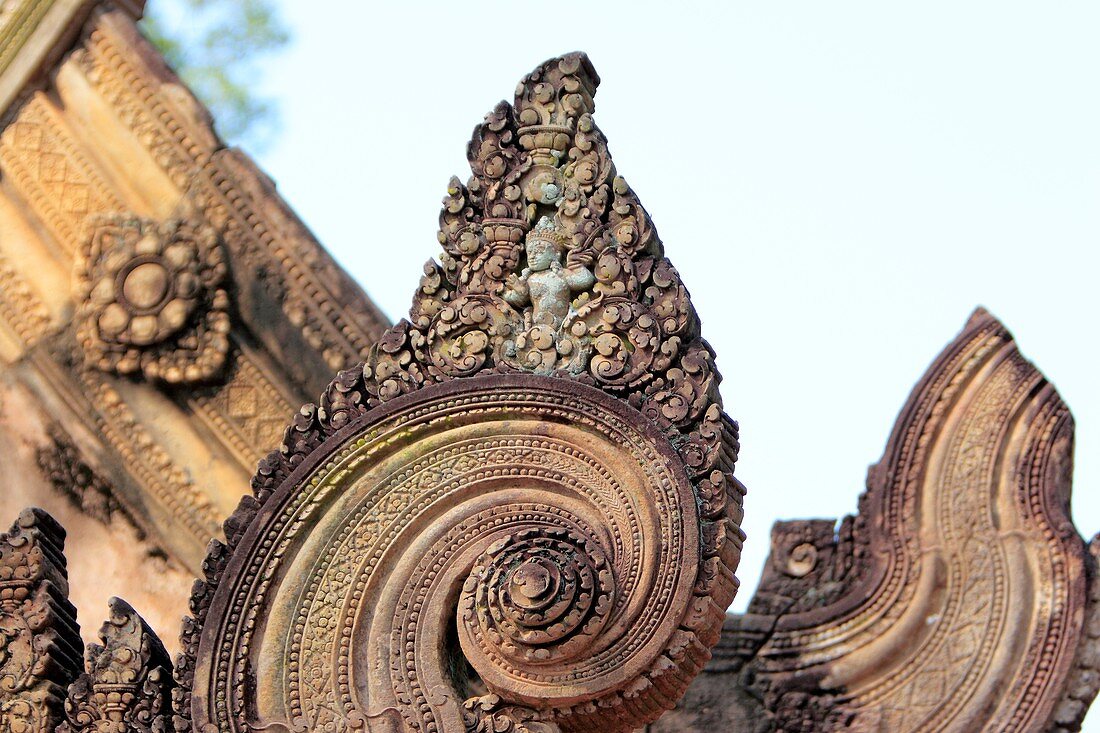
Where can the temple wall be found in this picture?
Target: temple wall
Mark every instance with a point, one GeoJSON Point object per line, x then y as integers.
{"type": "Point", "coordinates": [166, 405]}
{"type": "Point", "coordinates": [117, 550]}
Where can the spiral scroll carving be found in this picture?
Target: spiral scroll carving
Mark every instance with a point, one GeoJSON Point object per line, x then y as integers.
{"type": "Point", "coordinates": [537, 597]}
{"type": "Point", "coordinates": [545, 524]}
{"type": "Point", "coordinates": [519, 513]}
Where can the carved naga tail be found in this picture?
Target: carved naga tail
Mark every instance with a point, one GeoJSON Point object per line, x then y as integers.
{"type": "Point", "coordinates": [520, 513]}
{"type": "Point", "coordinates": [960, 599]}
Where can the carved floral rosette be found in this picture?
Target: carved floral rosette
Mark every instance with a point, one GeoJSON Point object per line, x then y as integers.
{"type": "Point", "coordinates": [151, 299]}
{"type": "Point", "coordinates": [520, 512]}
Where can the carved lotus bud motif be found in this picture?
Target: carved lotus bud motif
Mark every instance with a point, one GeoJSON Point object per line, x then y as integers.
{"type": "Point", "coordinates": [151, 299]}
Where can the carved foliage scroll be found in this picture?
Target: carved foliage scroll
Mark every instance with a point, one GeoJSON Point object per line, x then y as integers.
{"type": "Point", "coordinates": [534, 529]}
{"type": "Point", "coordinates": [39, 640]}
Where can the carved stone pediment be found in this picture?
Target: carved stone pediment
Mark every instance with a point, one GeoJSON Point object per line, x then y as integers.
{"type": "Point", "coordinates": [519, 513]}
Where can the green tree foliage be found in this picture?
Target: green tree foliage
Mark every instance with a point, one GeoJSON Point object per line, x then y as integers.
{"type": "Point", "coordinates": [214, 46]}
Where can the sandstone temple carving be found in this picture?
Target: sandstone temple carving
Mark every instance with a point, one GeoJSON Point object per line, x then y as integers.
{"type": "Point", "coordinates": [513, 511]}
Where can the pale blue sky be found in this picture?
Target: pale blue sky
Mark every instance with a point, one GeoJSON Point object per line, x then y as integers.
{"type": "Point", "coordinates": [839, 184]}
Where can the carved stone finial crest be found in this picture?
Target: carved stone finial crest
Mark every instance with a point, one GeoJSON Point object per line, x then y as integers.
{"type": "Point", "coordinates": [151, 299]}
{"type": "Point", "coordinates": [127, 682]}
{"type": "Point", "coordinates": [586, 292]}
{"type": "Point", "coordinates": [39, 639]}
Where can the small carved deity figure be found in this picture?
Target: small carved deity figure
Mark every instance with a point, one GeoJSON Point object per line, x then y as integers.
{"type": "Point", "coordinates": [546, 284]}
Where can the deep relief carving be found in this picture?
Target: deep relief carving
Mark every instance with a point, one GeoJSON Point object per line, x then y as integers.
{"type": "Point", "coordinates": [519, 513]}
{"type": "Point", "coordinates": [523, 499]}
{"type": "Point", "coordinates": [955, 601]}
{"type": "Point", "coordinates": [537, 596]}
{"type": "Point", "coordinates": [151, 299]}
{"type": "Point", "coordinates": [571, 574]}
{"type": "Point", "coordinates": [630, 330]}
{"type": "Point", "coordinates": [488, 715]}
{"type": "Point", "coordinates": [127, 681]}
{"type": "Point", "coordinates": [584, 294]}
{"type": "Point", "coordinates": [550, 263]}
{"type": "Point", "coordinates": [63, 466]}
{"type": "Point", "coordinates": [39, 640]}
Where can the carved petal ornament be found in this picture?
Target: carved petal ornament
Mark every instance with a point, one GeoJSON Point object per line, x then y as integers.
{"type": "Point", "coordinates": [152, 300]}
{"type": "Point", "coordinates": [519, 513]}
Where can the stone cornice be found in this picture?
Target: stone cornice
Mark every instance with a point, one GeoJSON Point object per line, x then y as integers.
{"type": "Point", "coordinates": [34, 35]}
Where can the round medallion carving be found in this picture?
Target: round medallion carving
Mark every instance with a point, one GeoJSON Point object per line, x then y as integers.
{"type": "Point", "coordinates": [537, 597]}
{"type": "Point", "coordinates": [150, 299]}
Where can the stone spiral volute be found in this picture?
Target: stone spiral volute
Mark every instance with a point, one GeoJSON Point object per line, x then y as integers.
{"type": "Point", "coordinates": [538, 596]}
{"type": "Point", "coordinates": [517, 536]}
